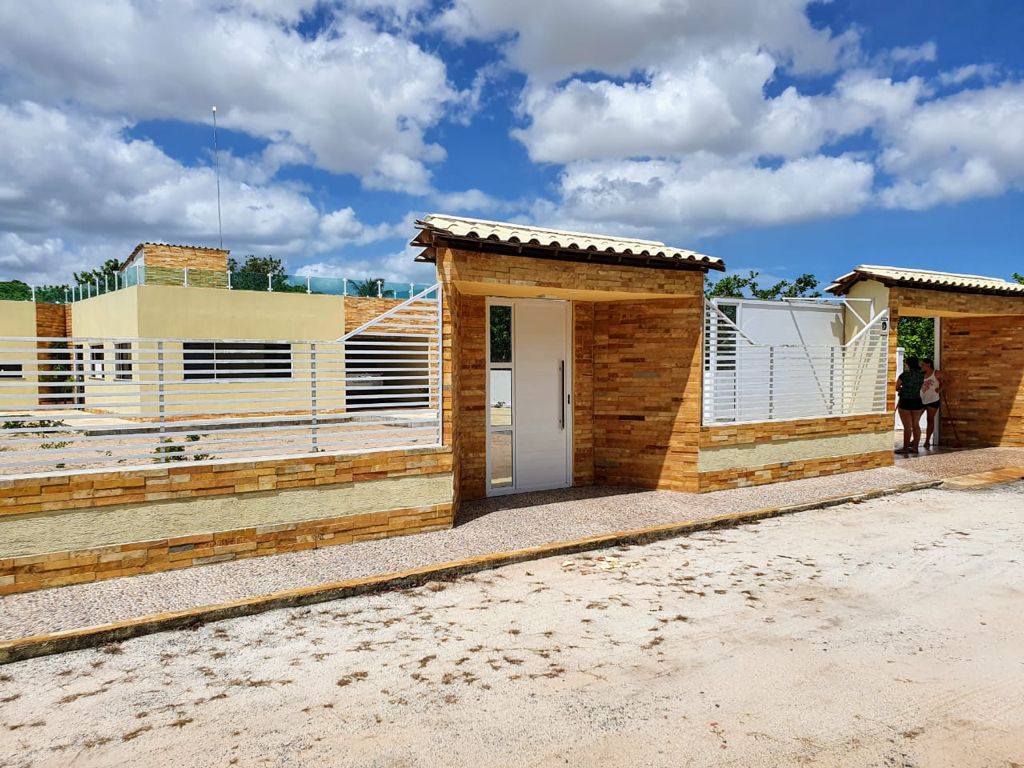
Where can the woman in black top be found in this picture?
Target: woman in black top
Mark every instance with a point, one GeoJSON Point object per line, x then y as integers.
{"type": "Point", "coordinates": [908, 387]}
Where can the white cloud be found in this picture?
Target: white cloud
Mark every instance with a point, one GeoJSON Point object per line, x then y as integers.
{"type": "Point", "coordinates": [342, 227]}
{"type": "Point", "coordinates": [706, 104]}
{"type": "Point", "coordinates": [553, 40]}
{"type": "Point", "coordinates": [983, 72]}
{"type": "Point", "coordinates": [82, 177]}
{"type": "Point", "coordinates": [357, 99]}
{"type": "Point", "coordinates": [473, 201]}
{"type": "Point", "coordinates": [398, 267]}
{"type": "Point", "coordinates": [967, 145]}
{"type": "Point", "coordinates": [914, 54]}
{"type": "Point", "coordinates": [700, 196]}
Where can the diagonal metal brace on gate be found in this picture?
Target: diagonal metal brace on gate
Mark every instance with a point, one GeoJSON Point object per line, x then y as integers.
{"type": "Point", "coordinates": [421, 296]}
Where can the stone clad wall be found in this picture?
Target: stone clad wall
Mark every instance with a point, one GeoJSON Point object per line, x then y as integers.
{"type": "Point", "coordinates": [647, 392]}
{"type": "Point", "coordinates": [503, 271]}
{"type": "Point", "coordinates": [924, 301]}
{"type": "Point", "coordinates": [472, 396]}
{"type": "Point", "coordinates": [737, 455]}
{"type": "Point", "coordinates": [57, 509]}
{"type": "Point", "coordinates": [53, 320]}
{"type": "Point", "coordinates": [583, 392]}
{"type": "Point", "coordinates": [181, 256]}
{"type": "Point", "coordinates": [982, 369]}
{"type": "Point", "coordinates": [362, 309]}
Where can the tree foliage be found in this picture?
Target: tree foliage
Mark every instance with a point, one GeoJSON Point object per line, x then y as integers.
{"type": "Point", "coordinates": [370, 288]}
{"type": "Point", "coordinates": [104, 276]}
{"type": "Point", "coordinates": [251, 275]}
{"type": "Point", "coordinates": [748, 287]}
{"type": "Point", "coordinates": [1018, 277]}
{"type": "Point", "coordinates": [917, 336]}
{"type": "Point", "coordinates": [16, 290]}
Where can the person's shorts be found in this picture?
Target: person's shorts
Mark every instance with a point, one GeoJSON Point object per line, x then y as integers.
{"type": "Point", "coordinates": [932, 405]}
{"type": "Point", "coordinates": [910, 404]}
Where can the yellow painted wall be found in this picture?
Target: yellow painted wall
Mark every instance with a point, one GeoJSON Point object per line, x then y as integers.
{"type": "Point", "coordinates": [18, 318]}
{"type": "Point", "coordinates": [111, 315]}
{"type": "Point", "coordinates": [865, 289]}
{"type": "Point", "coordinates": [211, 313]}
{"type": "Point", "coordinates": [861, 393]}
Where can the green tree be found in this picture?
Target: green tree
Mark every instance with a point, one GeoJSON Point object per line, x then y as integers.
{"type": "Point", "coordinates": [917, 336]}
{"type": "Point", "coordinates": [15, 290]}
{"type": "Point", "coordinates": [104, 276]}
{"type": "Point", "coordinates": [370, 288]}
{"type": "Point", "coordinates": [251, 275]}
{"type": "Point", "coordinates": [739, 287]}
{"type": "Point", "coordinates": [1018, 277]}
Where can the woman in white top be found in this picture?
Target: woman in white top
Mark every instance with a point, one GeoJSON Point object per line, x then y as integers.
{"type": "Point", "coordinates": [930, 389]}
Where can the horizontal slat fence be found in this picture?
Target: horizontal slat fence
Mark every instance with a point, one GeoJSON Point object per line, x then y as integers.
{"type": "Point", "coordinates": [112, 403]}
{"type": "Point", "coordinates": [749, 382]}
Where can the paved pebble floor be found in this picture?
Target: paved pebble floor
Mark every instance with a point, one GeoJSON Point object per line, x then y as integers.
{"type": "Point", "coordinates": [492, 525]}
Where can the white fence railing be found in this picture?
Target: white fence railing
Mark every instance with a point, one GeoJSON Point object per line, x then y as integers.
{"type": "Point", "coordinates": [117, 403]}
{"type": "Point", "coordinates": [745, 381]}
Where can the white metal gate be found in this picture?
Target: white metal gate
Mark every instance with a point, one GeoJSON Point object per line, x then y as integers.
{"type": "Point", "coordinates": [749, 381]}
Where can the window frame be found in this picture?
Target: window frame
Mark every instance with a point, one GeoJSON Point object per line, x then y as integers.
{"type": "Point", "coordinates": [211, 356]}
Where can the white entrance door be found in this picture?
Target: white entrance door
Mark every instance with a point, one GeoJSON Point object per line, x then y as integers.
{"type": "Point", "coordinates": [529, 427]}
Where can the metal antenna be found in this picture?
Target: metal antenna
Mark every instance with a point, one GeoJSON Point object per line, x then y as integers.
{"type": "Point", "coordinates": [216, 158]}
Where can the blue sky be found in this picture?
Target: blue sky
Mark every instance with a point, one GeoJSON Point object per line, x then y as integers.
{"type": "Point", "coordinates": [780, 135]}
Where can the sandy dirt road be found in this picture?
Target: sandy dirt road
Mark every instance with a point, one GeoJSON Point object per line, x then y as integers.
{"type": "Point", "coordinates": [889, 633]}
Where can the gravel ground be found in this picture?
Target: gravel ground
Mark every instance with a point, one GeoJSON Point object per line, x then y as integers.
{"type": "Point", "coordinates": [492, 525]}
{"type": "Point", "coordinates": [886, 633]}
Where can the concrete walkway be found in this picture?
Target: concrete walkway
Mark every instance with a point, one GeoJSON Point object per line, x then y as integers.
{"type": "Point", "coordinates": [485, 527]}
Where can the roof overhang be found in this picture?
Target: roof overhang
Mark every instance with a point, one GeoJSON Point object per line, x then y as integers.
{"type": "Point", "coordinates": [929, 280]}
{"type": "Point", "coordinates": [536, 242]}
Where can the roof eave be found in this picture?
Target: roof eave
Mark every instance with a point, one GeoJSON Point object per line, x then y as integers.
{"type": "Point", "coordinates": [429, 238]}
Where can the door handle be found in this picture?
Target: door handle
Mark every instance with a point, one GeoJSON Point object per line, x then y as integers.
{"type": "Point", "coordinates": [561, 394]}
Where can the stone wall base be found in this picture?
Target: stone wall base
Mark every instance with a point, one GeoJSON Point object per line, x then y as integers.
{"type": "Point", "coordinates": [55, 569]}
{"type": "Point", "coordinates": [793, 470]}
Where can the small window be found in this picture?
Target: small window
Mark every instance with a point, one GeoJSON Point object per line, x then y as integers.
{"type": "Point", "coordinates": [237, 360]}
{"type": "Point", "coordinates": [10, 371]}
{"type": "Point", "coordinates": [501, 333]}
{"type": "Point", "coordinates": [96, 361]}
{"type": "Point", "coordinates": [123, 361]}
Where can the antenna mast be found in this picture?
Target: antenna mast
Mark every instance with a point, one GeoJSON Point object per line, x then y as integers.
{"type": "Point", "coordinates": [216, 158]}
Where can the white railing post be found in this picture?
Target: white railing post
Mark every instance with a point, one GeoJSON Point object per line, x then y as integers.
{"type": "Point", "coordinates": [33, 289]}
{"type": "Point", "coordinates": [185, 278]}
{"type": "Point", "coordinates": [308, 288]}
{"type": "Point", "coordinates": [161, 405]}
{"type": "Point", "coordinates": [270, 282]}
{"type": "Point", "coordinates": [440, 367]}
{"type": "Point", "coordinates": [412, 289]}
{"type": "Point", "coordinates": [229, 279]}
{"type": "Point", "coordinates": [65, 295]}
{"type": "Point", "coordinates": [344, 286]}
{"type": "Point", "coordinates": [312, 395]}
{"type": "Point", "coordinates": [380, 289]}
{"type": "Point", "coordinates": [138, 274]}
